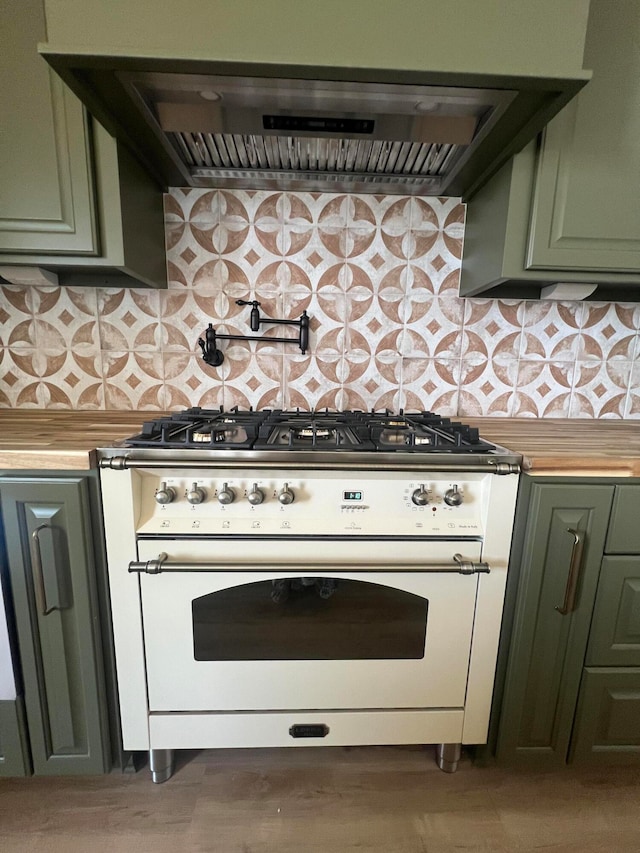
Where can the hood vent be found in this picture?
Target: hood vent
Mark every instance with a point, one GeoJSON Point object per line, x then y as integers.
{"type": "Point", "coordinates": [423, 97]}
{"type": "Point", "coordinates": [228, 156]}
{"type": "Point", "coordinates": [286, 133]}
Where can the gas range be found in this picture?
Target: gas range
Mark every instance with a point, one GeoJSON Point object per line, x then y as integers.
{"type": "Point", "coordinates": [378, 438]}
{"type": "Point", "coordinates": [288, 578]}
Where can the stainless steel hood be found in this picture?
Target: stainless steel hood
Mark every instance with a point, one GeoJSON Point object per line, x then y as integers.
{"type": "Point", "coordinates": [228, 111]}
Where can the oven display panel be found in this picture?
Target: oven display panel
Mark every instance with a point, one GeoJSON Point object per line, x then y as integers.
{"type": "Point", "coordinates": [352, 496]}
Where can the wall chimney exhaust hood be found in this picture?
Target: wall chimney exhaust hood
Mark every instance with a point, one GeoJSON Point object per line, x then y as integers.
{"type": "Point", "coordinates": [424, 97]}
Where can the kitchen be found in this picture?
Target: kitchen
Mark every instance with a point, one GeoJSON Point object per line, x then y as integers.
{"type": "Point", "coordinates": [378, 276]}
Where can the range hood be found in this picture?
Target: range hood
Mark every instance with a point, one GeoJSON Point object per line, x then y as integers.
{"type": "Point", "coordinates": [420, 97]}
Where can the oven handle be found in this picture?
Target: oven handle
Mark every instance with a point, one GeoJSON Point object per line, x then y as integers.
{"type": "Point", "coordinates": [162, 564]}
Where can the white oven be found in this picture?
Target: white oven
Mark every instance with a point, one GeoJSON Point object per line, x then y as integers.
{"type": "Point", "coordinates": [365, 610]}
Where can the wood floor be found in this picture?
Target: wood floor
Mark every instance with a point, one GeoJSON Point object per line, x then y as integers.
{"type": "Point", "coordinates": [330, 800]}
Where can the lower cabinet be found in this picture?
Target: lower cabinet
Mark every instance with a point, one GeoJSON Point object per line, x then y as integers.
{"type": "Point", "coordinates": [607, 727]}
{"type": "Point", "coordinates": [50, 559]}
{"type": "Point", "coordinates": [571, 662]}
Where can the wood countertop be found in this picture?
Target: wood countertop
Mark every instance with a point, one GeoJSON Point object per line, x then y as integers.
{"type": "Point", "coordinates": [564, 447]}
{"type": "Point", "coordinates": [39, 439]}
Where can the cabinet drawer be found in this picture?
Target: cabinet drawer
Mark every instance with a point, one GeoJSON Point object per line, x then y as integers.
{"type": "Point", "coordinates": [615, 629]}
{"type": "Point", "coordinates": [624, 530]}
{"type": "Point", "coordinates": [607, 724]}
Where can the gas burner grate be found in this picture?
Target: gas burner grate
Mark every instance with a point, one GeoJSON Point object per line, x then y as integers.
{"type": "Point", "coordinates": [386, 431]}
{"type": "Point", "coordinates": [201, 428]}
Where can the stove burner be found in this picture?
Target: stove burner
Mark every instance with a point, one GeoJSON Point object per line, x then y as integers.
{"type": "Point", "coordinates": [313, 433]}
{"type": "Point", "coordinates": [349, 431]}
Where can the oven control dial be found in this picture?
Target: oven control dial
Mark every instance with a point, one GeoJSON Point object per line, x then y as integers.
{"type": "Point", "coordinates": [226, 495]}
{"type": "Point", "coordinates": [285, 495]}
{"type": "Point", "coordinates": [452, 497]}
{"type": "Point", "coordinates": [420, 496]}
{"type": "Point", "coordinates": [165, 494]}
{"type": "Point", "coordinates": [255, 496]}
{"type": "Point", "coordinates": [196, 495]}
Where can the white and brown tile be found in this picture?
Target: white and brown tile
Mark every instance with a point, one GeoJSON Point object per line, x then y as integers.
{"type": "Point", "coordinates": [600, 389]}
{"type": "Point", "coordinates": [378, 276]}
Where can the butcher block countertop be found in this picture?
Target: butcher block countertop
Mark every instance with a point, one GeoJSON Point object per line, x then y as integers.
{"type": "Point", "coordinates": [61, 440]}
{"type": "Point", "coordinates": [37, 439]}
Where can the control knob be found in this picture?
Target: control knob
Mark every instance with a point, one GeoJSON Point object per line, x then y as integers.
{"type": "Point", "coordinates": [165, 494]}
{"type": "Point", "coordinates": [255, 496]}
{"type": "Point", "coordinates": [452, 497]}
{"type": "Point", "coordinates": [226, 495]}
{"type": "Point", "coordinates": [196, 495]}
{"type": "Point", "coordinates": [285, 495]}
{"type": "Point", "coordinates": [420, 496]}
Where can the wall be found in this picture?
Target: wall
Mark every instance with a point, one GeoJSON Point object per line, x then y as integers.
{"type": "Point", "coordinates": [378, 276]}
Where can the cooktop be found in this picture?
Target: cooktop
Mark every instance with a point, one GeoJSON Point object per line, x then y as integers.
{"type": "Point", "coordinates": [352, 431]}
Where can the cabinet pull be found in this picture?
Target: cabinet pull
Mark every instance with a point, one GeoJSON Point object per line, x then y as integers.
{"type": "Point", "coordinates": [38, 576]}
{"type": "Point", "coordinates": [574, 572]}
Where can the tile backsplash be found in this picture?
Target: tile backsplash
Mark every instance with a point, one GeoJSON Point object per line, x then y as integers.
{"type": "Point", "coordinates": [378, 276]}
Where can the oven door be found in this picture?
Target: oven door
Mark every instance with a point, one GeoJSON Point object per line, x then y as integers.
{"type": "Point", "coordinates": [322, 624]}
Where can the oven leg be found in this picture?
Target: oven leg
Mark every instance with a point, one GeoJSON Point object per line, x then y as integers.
{"type": "Point", "coordinates": [447, 756]}
{"type": "Point", "coordinates": [160, 764]}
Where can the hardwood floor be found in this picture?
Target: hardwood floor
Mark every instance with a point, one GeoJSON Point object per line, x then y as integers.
{"type": "Point", "coordinates": [330, 800]}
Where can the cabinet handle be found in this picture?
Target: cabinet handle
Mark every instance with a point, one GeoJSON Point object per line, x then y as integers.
{"type": "Point", "coordinates": [574, 573]}
{"type": "Point", "coordinates": [38, 576]}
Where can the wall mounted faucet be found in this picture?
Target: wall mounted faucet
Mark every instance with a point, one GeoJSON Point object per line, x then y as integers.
{"type": "Point", "coordinates": [214, 357]}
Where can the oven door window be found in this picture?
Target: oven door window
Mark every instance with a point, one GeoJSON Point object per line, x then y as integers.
{"type": "Point", "coordinates": [309, 618]}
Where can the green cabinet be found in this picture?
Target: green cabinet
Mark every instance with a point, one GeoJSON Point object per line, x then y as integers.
{"type": "Point", "coordinates": [615, 635]}
{"type": "Point", "coordinates": [14, 742]}
{"type": "Point", "coordinates": [566, 209]}
{"type": "Point", "coordinates": [547, 646]}
{"type": "Point", "coordinates": [571, 687]}
{"type": "Point", "coordinates": [50, 556]}
{"type": "Point", "coordinates": [607, 727]}
{"type": "Point", "coordinates": [72, 200]}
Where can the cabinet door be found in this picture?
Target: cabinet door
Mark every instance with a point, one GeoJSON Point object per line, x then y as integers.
{"type": "Point", "coordinates": [14, 742]}
{"type": "Point", "coordinates": [48, 532]}
{"type": "Point", "coordinates": [624, 530]}
{"type": "Point", "coordinates": [585, 213]}
{"type": "Point", "coordinates": [47, 198]}
{"type": "Point", "coordinates": [607, 727]}
{"type": "Point", "coordinates": [547, 648]}
{"type": "Point", "coordinates": [615, 630]}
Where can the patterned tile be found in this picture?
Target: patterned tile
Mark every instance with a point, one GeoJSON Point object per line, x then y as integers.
{"type": "Point", "coordinates": [128, 319]}
{"type": "Point", "coordinates": [552, 331]}
{"type": "Point", "coordinates": [432, 384]}
{"type": "Point", "coordinates": [378, 276]}
{"type": "Point", "coordinates": [609, 328]}
{"type": "Point", "coordinates": [493, 328]}
{"type": "Point", "coordinates": [600, 389]}
{"type": "Point", "coordinates": [543, 389]}
{"type": "Point", "coordinates": [632, 405]}
{"type": "Point", "coordinates": [485, 389]}
{"type": "Point", "coordinates": [45, 379]}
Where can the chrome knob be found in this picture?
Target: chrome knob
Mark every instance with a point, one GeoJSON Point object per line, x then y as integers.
{"type": "Point", "coordinates": [285, 495]}
{"type": "Point", "coordinates": [226, 495]}
{"type": "Point", "coordinates": [452, 497]}
{"type": "Point", "coordinates": [196, 495]}
{"type": "Point", "coordinates": [165, 494]}
{"type": "Point", "coordinates": [420, 496]}
{"type": "Point", "coordinates": [255, 496]}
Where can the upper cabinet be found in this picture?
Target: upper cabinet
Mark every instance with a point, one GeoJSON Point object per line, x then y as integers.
{"type": "Point", "coordinates": [566, 208]}
{"type": "Point", "coordinates": [72, 200]}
